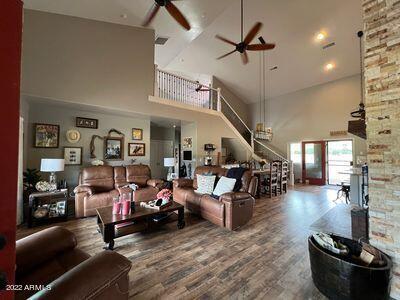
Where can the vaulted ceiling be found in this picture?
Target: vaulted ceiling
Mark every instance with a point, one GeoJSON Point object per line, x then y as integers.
{"type": "Point", "coordinates": [291, 24]}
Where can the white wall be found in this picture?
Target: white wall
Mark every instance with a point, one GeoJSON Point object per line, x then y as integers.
{"type": "Point", "coordinates": [312, 113]}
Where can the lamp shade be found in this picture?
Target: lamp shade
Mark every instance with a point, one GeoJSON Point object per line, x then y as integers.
{"type": "Point", "coordinates": [52, 165]}
{"type": "Point", "coordinates": [169, 162]}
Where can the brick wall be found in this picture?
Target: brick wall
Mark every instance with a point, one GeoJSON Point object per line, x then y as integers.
{"type": "Point", "coordinates": [382, 78]}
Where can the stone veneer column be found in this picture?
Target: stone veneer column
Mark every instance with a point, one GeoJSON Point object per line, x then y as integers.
{"type": "Point", "coordinates": [382, 84]}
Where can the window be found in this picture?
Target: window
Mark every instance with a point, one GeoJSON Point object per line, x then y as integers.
{"type": "Point", "coordinates": [295, 153]}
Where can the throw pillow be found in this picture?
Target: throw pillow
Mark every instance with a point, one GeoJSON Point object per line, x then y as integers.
{"type": "Point", "coordinates": [225, 185]}
{"type": "Point", "coordinates": [205, 184]}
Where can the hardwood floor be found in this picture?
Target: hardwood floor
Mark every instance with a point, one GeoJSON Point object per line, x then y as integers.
{"type": "Point", "coordinates": [266, 259]}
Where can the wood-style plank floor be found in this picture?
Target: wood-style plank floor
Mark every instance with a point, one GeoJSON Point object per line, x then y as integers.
{"type": "Point", "coordinates": [266, 259]}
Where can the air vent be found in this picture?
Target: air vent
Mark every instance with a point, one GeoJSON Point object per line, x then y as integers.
{"type": "Point", "coordinates": [161, 40]}
{"type": "Point", "coordinates": [329, 45]}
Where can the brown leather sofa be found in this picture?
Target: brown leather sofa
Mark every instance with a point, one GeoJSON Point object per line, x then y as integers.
{"type": "Point", "coordinates": [231, 210]}
{"type": "Point", "coordinates": [50, 258]}
{"type": "Point", "coordinates": [99, 185]}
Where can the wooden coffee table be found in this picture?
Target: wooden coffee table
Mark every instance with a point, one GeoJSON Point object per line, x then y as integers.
{"type": "Point", "coordinates": [141, 218]}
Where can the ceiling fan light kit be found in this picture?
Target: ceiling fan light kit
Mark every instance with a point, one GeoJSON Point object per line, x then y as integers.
{"type": "Point", "coordinates": [172, 10]}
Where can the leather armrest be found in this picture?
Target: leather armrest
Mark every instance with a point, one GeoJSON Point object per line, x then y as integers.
{"type": "Point", "coordinates": [83, 188]}
{"type": "Point", "coordinates": [42, 246]}
{"type": "Point", "coordinates": [183, 182]}
{"type": "Point", "coordinates": [106, 272]}
{"type": "Point", "coordinates": [234, 196]}
{"type": "Point", "coordinates": [155, 182]}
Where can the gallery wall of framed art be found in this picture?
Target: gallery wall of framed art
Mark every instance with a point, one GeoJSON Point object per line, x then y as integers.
{"type": "Point", "coordinates": [51, 132]}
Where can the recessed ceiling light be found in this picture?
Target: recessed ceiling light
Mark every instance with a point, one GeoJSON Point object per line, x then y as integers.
{"type": "Point", "coordinates": [329, 66]}
{"type": "Point", "coordinates": [320, 36]}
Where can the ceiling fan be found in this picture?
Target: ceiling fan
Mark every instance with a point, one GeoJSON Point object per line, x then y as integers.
{"type": "Point", "coordinates": [172, 10]}
{"type": "Point", "coordinates": [202, 88]}
{"type": "Point", "coordinates": [245, 45]}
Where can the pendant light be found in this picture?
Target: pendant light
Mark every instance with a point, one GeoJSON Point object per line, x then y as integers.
{"type": "Point", "coordinates": [360, 113]}
{"type": "Point", "coordinates": [359, 127]}
{"type": "Point", "coordinates": [262, 132]}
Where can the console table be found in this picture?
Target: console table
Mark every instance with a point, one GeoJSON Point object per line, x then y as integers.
{"type": "Point", "coordinates": [56, 203]}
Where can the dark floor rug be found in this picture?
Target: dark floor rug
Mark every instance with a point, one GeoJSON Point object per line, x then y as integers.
{"type": "Point", "coordinates": [337, 220]}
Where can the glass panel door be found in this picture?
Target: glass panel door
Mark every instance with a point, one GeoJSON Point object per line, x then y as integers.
{"type": "Point", "coordinates": [340, 157]}
{"type": "Point", "coordinates": [313, 157]}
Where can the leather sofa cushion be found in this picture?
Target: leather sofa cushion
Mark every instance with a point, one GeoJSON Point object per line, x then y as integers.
{"type": "Point", "coordinates": [100, 178]}
{"type": "Point", "coordinates": [214, 170]}
{"type": "Point", "coordinates": [101, 200]}
{"type": "Point", "coordinates": [145, 194]}
{"type": "Point", "coordinates": [138, 174]}
{"type": "Point", "coordinates": [120, 177]}
{"type": "Point", "coordinates": [39, 247]}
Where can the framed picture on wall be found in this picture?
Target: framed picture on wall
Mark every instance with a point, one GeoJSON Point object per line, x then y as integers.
{"type": "Point", "coordinates": [187, 142]}
{"type": "Point", "coordinates": [73, 156]}
{"type": "Point", "coordinates": [46, 135]}
{"type": "Point", "coordinates": [87, 123]}
{"type": "Point", "coordinates": [136, 149]}
{"type": "Point", "coordinates": [137, 134]}
{"type": "Point", "coordinates": [114, 148]}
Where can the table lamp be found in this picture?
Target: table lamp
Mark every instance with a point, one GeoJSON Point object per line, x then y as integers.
{"type": "Point", "coordinates": [169, 162]}
{"type": "Point", "coordinates": [52, 165]}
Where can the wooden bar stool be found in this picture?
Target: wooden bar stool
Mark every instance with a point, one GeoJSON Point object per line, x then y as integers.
{"type": "Point", "coordinates": [271, 180]}
{"type": "Point", "coordinates": [284, 170]}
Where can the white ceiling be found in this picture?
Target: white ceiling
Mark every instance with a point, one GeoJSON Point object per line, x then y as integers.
{"type": "Point", "coordinates": [291, 24]}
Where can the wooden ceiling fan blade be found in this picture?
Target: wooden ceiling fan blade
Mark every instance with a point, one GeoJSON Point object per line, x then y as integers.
{"type": "Point", "coordinates": [151, 14]}
{"type": "Point", "coordinates": [260, 47]}
{"type": "Point", "coordinates": [225, 55]}
{"type": "Point", "coordinates": [245, 58]}
{"type": "Point", "coordinates": [225, 40]}
{"type": "Point", "coordinates": [177, 15]}
{"type": "Point", "coordinates": [252, 33]}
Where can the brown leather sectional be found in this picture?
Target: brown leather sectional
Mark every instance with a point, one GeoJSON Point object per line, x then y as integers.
{"type": "Point", "coordinates": [231, 210]}
{"type": "Point", "coordinates": [99, 185]}
{"type": "Point", "coordinates": [50, 258]}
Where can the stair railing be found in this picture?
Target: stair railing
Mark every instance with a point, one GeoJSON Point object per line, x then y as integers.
{"type": "Point", "coordinates": [177, 88]}
{"type": "Point", "coordinates": [229, 112]}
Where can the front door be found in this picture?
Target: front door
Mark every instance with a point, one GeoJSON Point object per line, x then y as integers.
{"type": "Point", "coordinates": [313, 162]}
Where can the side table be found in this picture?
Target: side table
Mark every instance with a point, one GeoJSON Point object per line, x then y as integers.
{"type": "Point", "coordinates": [53, 206]}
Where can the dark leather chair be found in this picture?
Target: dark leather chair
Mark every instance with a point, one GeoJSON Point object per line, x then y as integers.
{"type": "Point", "coordinates": [231, 210]}
{"type": "Point", "coordinates": [99, 185]}
{"type": "Point", "coordinates": [50, 258]}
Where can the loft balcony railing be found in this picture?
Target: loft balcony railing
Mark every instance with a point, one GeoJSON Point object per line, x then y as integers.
{"type": "Point", "coordinates": [185, 91]}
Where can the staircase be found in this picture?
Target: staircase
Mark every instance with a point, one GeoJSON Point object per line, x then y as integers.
{"type": "Point", "coordinates": [178, 89]}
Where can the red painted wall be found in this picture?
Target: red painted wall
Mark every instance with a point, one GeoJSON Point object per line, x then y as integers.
{"type": "Point", "coordinates": [10, 65]}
